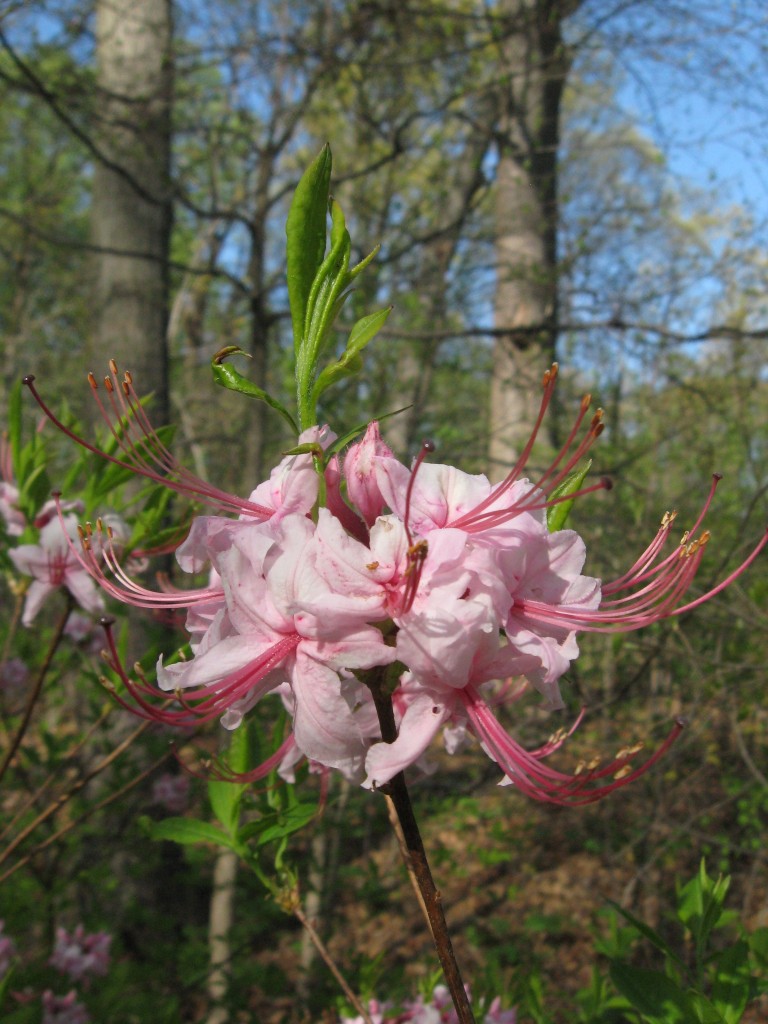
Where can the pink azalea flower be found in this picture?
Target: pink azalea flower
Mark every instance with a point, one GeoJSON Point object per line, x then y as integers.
{"type": "Point", "coordinates": [53, 564]}
{"type": "Point", "coordinates": [495, 1015]}
{"type": "Point", "coordinates": [13, 674]}
{"type": "Point", "coordinates": [360, 474]}
{"type": "Point", "coordinates": [454, 577]}
{"type": "Point", "coordinates": [10, 512]}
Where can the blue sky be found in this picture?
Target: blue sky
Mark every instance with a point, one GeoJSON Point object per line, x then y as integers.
{"type": "Point", "coordinates": [698, 82]}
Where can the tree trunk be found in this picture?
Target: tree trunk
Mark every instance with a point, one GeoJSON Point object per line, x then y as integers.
{"type": "Point", "coordinates": [131, 208]}
{"type": "Point", "coordinates": [533, 73]}
{"type": "Point", "coordinates": [221, 919]}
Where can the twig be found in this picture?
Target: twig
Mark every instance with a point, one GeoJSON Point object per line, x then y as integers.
{"type": "Point", "coordinates": [394, 821]}
{"type": "Point", "coordinates": [24, 725]}
{"type": "Point", "coordinates": [55, 776]}
{"type": "Point", "coordinates": [745, 754]}
{"type": "Point", "coordinates": [320, 946]}
{"type": "Point", "coordinates": [83, 817]}
{"type": "Point", "coordinates": [60, 800]}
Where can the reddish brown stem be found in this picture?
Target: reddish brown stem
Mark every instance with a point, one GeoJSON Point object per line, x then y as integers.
{"type": "Point", "coordinates": [397, 790]}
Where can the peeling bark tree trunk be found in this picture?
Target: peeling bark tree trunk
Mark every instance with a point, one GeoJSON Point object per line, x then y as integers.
{"type": "Point", "coordinates": [131, 208]}
{"type": "Point", "coordinates": [535, 66]}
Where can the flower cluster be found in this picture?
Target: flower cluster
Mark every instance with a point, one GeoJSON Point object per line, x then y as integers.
{"type": "Point", "coordinates": [344, 581]}
{"type": "Point", "coordinates": [63, 1009]}
{"type": "Point", "coordinates": [80, 955]}
{"type": "Point", "coordinates": [438, 1010]}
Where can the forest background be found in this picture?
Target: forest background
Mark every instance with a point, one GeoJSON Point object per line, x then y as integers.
{"type": "Point", "coordinates": [547, 179]}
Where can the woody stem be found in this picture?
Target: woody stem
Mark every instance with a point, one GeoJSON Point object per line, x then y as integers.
{"type": "Point", "coordinates": [397, 791]}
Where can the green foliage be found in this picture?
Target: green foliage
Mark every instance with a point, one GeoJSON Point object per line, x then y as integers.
{"type": "Point", "coordinates": [305, 233]}
{"type": "Point", "coordinates": [249, 821]}
{"type": "Point", "coordinates": [229, 377]}
{"type": "Point", "coordinates": [318, 287]}
{"type": "Point", "coordinates": [722, 980]}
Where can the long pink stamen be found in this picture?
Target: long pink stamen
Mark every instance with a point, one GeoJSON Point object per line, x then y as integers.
{"type": "Point", "coordinates": [416, 554]}
{"type": "Point", "coordinates": [526, 770]}
{"type": "Point", "coordinates": [145, 454]}
{"type": "Point", "coordinates": [200, 704]}
{"type": "Point", "coordinates": [483, 517]}
{"type": "Point", "coordinates": [427, 447]}
{"type": "Point", "coordinates": [663, 586]}
{"type": "Point", "coordinates": [222, 771]}
{"type": "Point", "coordinates": [128, 591]}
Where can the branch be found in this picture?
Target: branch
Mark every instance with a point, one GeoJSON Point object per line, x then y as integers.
{"type": "Point", "coordinates": [528, 331]}
{"type": "Point", "coordinates": [417, 861]}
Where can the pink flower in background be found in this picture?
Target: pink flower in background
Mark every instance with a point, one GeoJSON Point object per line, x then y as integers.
{"type": "Point", "coordinates": [63, 1009]}
{"type": "Point", "coordinates": [53, 564]}
{"type": "Point", "coordinates": [13, 674]}
{"type": "Point", "coordinates": [7, 951]}
{"type": "Point", "coordinates": [171, 792]}
{"type": "Point", "coordinates": [495, 1014]}
{"type": "Point", "coordinates": [10, 513]}
{"type": "Point", "coordinates": [437, 1010]}
{"type": "Point", "coordinates": [80, 955]}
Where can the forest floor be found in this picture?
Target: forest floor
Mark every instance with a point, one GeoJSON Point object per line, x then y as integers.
{"type": "Point", "coordinates": [526, 886]}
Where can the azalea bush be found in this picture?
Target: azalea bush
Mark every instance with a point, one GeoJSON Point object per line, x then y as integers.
{"type": "Point", "coordinates": [363, 605]}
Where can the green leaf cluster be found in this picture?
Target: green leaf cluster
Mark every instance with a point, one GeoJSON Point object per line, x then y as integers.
{"type": "Point", "coordinates": [715, 989]}
{"type": "Point", "coordinates": [319, 285]}
{"type": "Point", "coordinates": [247, 820]}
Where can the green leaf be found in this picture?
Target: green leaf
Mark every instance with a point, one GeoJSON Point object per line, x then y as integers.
{"type": "Point", "coordinates": [191, 832]}
{"type": "Point", "coordinates": [758, 944]}
{"type": "Point", "coordinates": [359, 267]}
{"type": "Point", "coordinates": [351, 362]}
{"type": "Point", "coordinates": [228, 377]}
{"type": "Point", "coordinates": [330, 281]}
{"type": "Point", "coordinates": [658, 998]}
{"type": "Point", "coordinates": [649, 934]}
{"type": "Point", "coordinates": [704, 1012]}
{"type": "Point", "coordinates": [225, 800]}
{"type": "Point", "coordinates": [226, 796]}
{"type": "Point", "coordinates": [700, 905]}
{"type": "Point", "coordinates": [289, 821]}
{"type": "Point", "coordinates": [305, 231]}
{"type": "Point", "coordinates": [558, 514]}
{"type": "Point", "coordinates": [732, 984]}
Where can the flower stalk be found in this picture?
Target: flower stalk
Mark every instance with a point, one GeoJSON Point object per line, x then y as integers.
{"type": "Point", "coordinates": [397, 791]}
